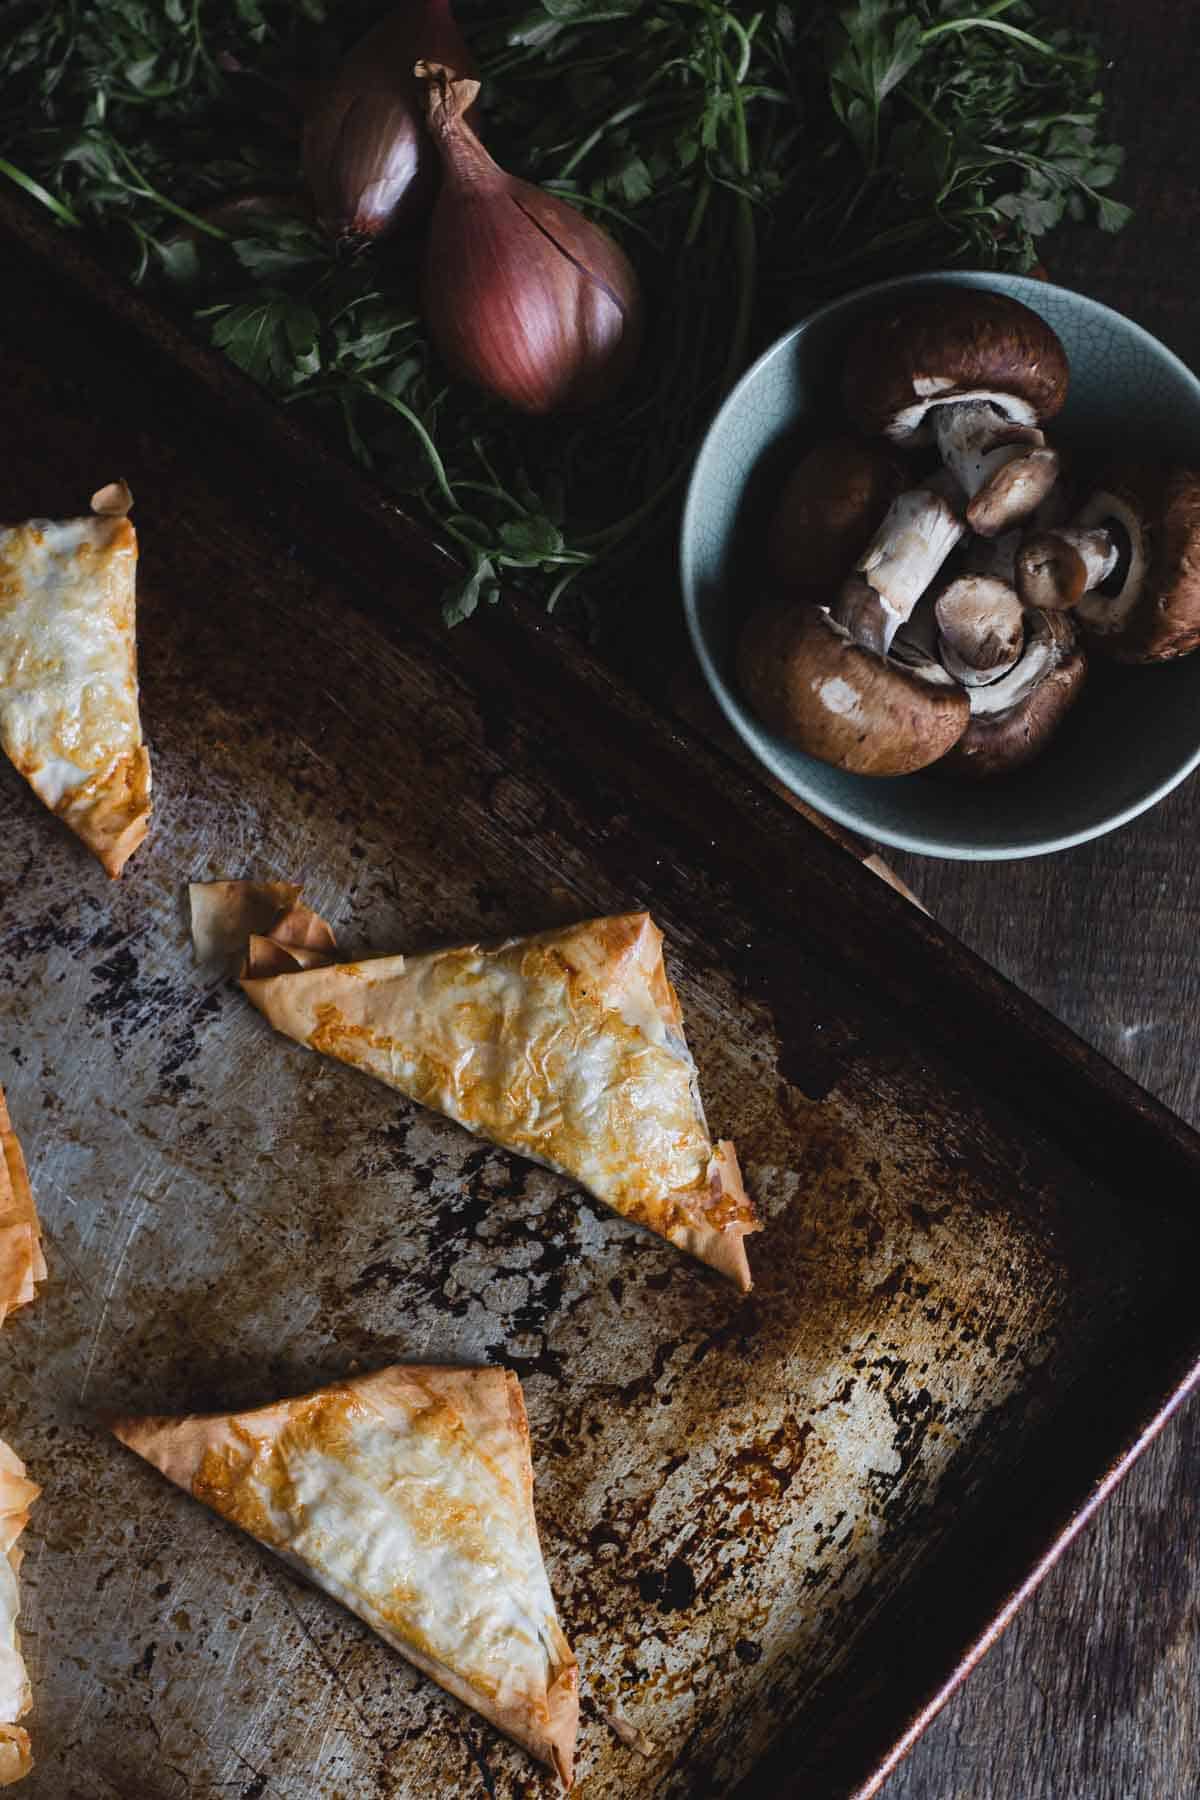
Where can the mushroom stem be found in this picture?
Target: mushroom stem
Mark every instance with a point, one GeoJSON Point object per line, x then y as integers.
{"type": "Point", "coordinates": [981, 629]}
{"type": "Point", "coordinates": [974, 439]}
{"type": "Point", "coordinates": [1057, 568]}
{"type": "Point", "coordinates": [1005, 469]}
{"type": "Point", "coordinates": [918, 532]}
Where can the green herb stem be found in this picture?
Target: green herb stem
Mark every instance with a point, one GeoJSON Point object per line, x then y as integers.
{"type": "Point", "coordinates": [422, 435]}
{"type": "Point", "coordinates": [981, 22]}
{"type": "Point", "coordinates": [36, 191]}
{"type": "Point", "coordinates": [751, 158]}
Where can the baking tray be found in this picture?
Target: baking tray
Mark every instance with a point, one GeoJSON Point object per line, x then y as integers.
{"type": "Point", "coordinates": [779, 1529]}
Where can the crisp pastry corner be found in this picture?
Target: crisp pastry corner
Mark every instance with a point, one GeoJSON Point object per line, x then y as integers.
{"type": "Point", "coordinates": [22, 1264]}
{"type": "Point", "coordinates": [17, 1495]}
{"type": "Point", "coordinates": [112, 816]}
{"type": "Point", "coordinates": [729, 1217]}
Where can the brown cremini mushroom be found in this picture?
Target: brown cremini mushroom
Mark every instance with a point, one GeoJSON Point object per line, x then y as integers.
{"type": "Point", "coordinates": [809, 681]}
{"type": "Point", "coordinates": [997, 556]}
{"type": "Point", "coordinates": [1130, 564]}
{"type": "Point", "coordinates": [1014, 718]}
{"type": "Point", "coordinates": [916, 535]}
{"type": "Point", "coordinates": [976, 373]}
{"type": "Point", "coordinates": [981, 629]}
{"type": "Point", "coordinates": [1056, 569]}
{"type": "Point", "coordinates": [832, 501]}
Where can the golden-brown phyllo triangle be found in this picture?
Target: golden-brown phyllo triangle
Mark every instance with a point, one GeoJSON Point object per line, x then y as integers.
{"type": "Point", "coordinates": [21, 1261]}
{"type": "Point", "coordinates": [69, 719]}
{"type": "Point", "coordinates": [567, 1046]}
{"type": "Point", "coordinates": [17, 1495]}
{"type": "Point", "coordinates": [408, 1496]}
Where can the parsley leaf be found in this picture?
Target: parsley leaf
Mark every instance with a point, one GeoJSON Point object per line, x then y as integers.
{"type": "Point", "coordinates": [752, 156]}
{"type": "Point", "coordinates": [273, 338]}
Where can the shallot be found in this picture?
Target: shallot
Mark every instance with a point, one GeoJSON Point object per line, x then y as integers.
{"type": "Point", "coordinates": [523, 295]}
{"type": "Point", "coordinates": [367, 156]}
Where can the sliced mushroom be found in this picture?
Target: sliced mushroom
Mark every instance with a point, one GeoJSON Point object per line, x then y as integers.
{"type": "Point", "coordinates": [918, 532]}
{"type": "Point", "coordinates": [808, 680]}
{"type": "Point", "coordinates": [1014, 718]}
{"type": "Point", "coordinates": [832, 501]}
{"type": "Point", "coordinates": [981, 629]}
{"type": "Point", "coordinates": [976, 373]}
{"type": "Point", "coordinates": [1130, 564]}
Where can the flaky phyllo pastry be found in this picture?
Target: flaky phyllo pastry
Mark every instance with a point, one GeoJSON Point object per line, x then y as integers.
{"type": "Point", "coordinates": [21, 1260]}
{"type": "Point", "coordinates": [229, 916]}
{"type": "Point", "coordinates": [17, 1495]}
{"type": "Point", "coordinates": [567, 1046]}
{"type": "Point", "coordinates": [408, 1495]}
{"type": "Point", "coordinates": [69, 717]}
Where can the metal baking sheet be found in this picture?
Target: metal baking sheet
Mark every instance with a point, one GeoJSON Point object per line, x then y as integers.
{"type": "Point", "coordinates": [734, 1495]}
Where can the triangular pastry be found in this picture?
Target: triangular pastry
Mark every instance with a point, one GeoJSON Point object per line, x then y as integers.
{"type": "Point", "coordinates": [567, 1046]}
{"type": "Point", "coordinates": [21, 1260]}
{"type": "Point", "coordinates": [69, 717]}
{"type": "Point", "coordinates": [17, 1495]}
{"type": "Point", "coordinates": [408, 1495]}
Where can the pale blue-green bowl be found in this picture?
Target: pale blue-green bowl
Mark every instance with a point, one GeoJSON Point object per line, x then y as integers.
{"type": "Point", "coordinates": [1135, 733]}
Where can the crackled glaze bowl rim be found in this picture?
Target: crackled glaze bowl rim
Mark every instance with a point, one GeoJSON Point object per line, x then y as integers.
{"type": "Point", "coordinates": [705, 469]}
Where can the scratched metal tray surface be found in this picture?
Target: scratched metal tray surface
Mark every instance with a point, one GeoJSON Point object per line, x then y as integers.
{"type": "Point", "coordinates": [776, 1527]}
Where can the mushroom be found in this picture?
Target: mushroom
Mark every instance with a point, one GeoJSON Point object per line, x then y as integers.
{"type": "Point", "coordinates": [1130, 564]}
{"type": "Point", "coordinates": [975, 373]}
{"type": "Point", "coordinates": [981, 629]}
{"type": "Point", "coordinates": [917, 534]}
{"type": "Point", "coordinates": [997, 556]}
{"type": "Point", "coordinates": [808, 680]}
{"type": "Point", "coordinates": [1014, 717]}
{"type": "Point", "coordinates": [832, 501]}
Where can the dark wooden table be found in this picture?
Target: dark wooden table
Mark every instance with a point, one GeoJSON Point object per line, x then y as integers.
{"type": "Point", "coordinates": [1094, 1693]}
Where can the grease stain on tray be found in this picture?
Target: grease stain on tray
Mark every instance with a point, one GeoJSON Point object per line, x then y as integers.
{"type": "Point", "coordinates": [727, 1489]}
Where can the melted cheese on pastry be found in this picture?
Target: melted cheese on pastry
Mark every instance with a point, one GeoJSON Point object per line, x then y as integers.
{"type": "Point", "coordinates": [17, 1495]}
{"type": "Point", "coordinates": [21, 1261]}
{"type": "Point", "coordinates": [408, 1496]}
{"type": "Point", "coordinates": [566, 1046]}
{"type": "Point", "coordinates": [68, 674]}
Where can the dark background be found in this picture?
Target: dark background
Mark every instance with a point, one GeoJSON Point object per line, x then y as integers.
{"type": "Point", "coordinates": [1094, 1692]}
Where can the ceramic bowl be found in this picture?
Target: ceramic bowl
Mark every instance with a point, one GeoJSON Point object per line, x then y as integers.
{"type": "Point", "coordinates": [1135, 733]}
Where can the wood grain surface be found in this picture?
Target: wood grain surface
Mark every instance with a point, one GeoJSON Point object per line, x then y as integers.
{"type": "Point", "coordinates": [1094, 1692]}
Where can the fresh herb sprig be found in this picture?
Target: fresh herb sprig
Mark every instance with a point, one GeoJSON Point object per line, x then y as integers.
{"type": "Point", "coordinates": [751, 159]}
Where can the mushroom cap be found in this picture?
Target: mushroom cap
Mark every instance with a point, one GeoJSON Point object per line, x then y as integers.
{"type": "Point", "coordinates": [831, 504]}
{"type": "Point", "coordinates": [809, 681]}
{"type": "Point", "coordinates": [1050, 572]}
{"type": "Point", "coordinates": [981, 628]}
{"type": "Point", "coordinates": [961, 344]}
{"type": "Point", "coordinates": [1155, 616]}
{"type": "Point", "coordinates": [1014, 492]}
{"type": "Point", "coordinates": [1005, 737]}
